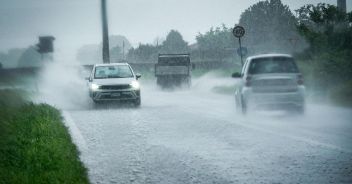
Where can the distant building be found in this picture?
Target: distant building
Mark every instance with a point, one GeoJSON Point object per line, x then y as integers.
{"type": "Point", "coordinates": [341, 4]}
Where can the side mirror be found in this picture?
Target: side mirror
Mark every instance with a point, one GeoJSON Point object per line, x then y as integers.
{"type": "Point", "coordinates": [89, 79]}
{"type": "Point", "coordinates": [138, 76]}
{"type": "Point", "coordinates": [236, 75]}
{"type": "Point", "coordinates": [193, 66]}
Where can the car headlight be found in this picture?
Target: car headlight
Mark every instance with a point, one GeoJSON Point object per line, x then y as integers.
{"type": "Point", "coordinates": [135, 85]}
{"type": "Point", "coordinates": [94, 87]}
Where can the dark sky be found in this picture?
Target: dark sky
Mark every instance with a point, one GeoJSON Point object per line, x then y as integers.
{"type": "Point", "coordinates": [77, 22]}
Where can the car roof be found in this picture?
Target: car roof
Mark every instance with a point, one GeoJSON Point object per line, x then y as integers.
{"type": "Point", "coordinates": [112, 64]}
{"type": "Point", "coordinates": [269, 55]}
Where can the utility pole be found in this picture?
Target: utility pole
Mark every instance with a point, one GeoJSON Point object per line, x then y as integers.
{"type": "Point", "coordinates": [123, 50]}
{"type": "Point", "coordinates": [106, 51]}
{"type": "Point", "coordinates": [341, 4]}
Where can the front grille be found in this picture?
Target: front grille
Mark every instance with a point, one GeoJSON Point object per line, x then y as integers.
{"type": "Point", "coordinates": [115, 87]}
{"type": "Point", "coordinates": [121, 95]}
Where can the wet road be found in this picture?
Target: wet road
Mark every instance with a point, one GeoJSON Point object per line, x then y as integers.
{"type": "Point", "coordinates": [196, 137]}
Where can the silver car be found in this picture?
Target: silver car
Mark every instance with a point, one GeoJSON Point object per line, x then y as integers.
{"type": "Point", "coordinates": [114, 82]}
{"type": "Point", "coordinates": [270, 81]}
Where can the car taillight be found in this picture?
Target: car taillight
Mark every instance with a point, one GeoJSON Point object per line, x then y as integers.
{"type": "Point", "coordinates": [248, 81]}
{"type": "Point", "coordinates": [300, 80]}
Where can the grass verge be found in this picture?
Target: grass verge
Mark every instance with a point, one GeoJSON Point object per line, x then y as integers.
{"type": "Point", "coordinates": [35, 146]}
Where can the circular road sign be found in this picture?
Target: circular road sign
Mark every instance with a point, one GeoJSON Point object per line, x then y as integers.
{"type": "Point", "coordinates": [238, 31]}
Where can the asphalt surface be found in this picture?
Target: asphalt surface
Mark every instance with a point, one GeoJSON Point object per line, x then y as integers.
{"type": "Point", "coordinates": [195, 136]}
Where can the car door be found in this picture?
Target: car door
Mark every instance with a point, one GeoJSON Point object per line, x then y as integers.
{"type": "Point", "coordinates": [240, 85]}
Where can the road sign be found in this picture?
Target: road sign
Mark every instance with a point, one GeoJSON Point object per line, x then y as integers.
{"type": "Point", "coordinates": [45, 44]}
{"type": "Point", "coordinates": [242, 51]}
{"type": "Point", "coordinates": [238, 31]}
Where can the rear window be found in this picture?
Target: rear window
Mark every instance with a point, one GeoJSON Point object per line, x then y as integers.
{"type": "Point", "coordinates": [174, 61]}
{"type": "Point", "coordinates": [273, 65]}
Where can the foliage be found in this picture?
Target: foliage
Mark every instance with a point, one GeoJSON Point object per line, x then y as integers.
{"type": "Point", "coordinates": [116, 54]}
{"type": "Point", "coordinates": [10, 59]}
{"type": "Point", "coordinates": [30, 58]}
{"type": "Point", "coordinates": [325, 27]}
{"type": "Point", "coordinates": [215, 44]}
{"type": "Point", "coordinates": [174, 43]}
{"type": "Point", "coordinates": [35, 146]}
{"type": "Point", "coordinates": [342, 94]}
{"type": "Point", "coordinates": [143, 53]}
{"type": "Point", "coordinates": [270, 27]}
{"type": "Point", "coordinates": [329, 34]}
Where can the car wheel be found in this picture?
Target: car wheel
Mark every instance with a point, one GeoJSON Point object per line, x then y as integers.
{"type": "Point", "coordinates": [300, 110]}
{"type": "Point", "coordinates": [137, 102]}
{"type": "Point", "coordinates": [244, 107]}
{"type": "Point", "coordinates": [95, 104]}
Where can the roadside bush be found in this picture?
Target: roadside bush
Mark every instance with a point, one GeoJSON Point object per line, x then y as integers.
{"type": "Point", "coordinates": [35, 146]}
{"type": "Point", "coordinates": [342, 95]}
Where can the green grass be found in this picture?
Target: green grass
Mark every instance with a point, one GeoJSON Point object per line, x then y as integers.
{"type": "Point", "coordinates": [35, 146]}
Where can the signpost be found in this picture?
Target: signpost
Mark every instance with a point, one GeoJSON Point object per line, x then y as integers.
{"type": "Point", "coordinates": [239, 32]}
{"type": "Point", "coordinates": [242, 52]}
{"type": "Point", "coordinates": [45, 46]}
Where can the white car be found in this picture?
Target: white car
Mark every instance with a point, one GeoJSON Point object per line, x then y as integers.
{"type": "Point", "coordinates": [114, 82]}
{"type": "Point", "coordinates": [270, 81]}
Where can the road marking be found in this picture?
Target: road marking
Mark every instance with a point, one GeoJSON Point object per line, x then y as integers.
{"type": "Point", "coordinates": [247, 124]}
{"type": "Point", "coordinates": [76, 135]}
{"type": "Point", "coordinates": [296, 138]}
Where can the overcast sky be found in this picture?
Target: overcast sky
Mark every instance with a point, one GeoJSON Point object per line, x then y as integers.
{"type": "Point", "coordinates": [77, 22]}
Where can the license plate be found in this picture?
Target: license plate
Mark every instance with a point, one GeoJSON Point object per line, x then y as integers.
{"type": "Point", "coordinates": [115, 94]}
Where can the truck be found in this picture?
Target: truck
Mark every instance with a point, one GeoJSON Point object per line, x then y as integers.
{"type": "Point", "coordinates": [173, 70]}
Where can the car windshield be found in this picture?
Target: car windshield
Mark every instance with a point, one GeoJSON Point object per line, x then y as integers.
{"type": "Point", "coordinates": [117, 71]}
{"type": "Point", "coordinates": [273, 65]}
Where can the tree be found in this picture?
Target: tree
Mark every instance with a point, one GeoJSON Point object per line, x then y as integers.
{"type": "Point", "coordinates": [143, 53]}
{"type": "Point", "coordinates": [174, 43]}
{"type": "Point", "coordinates": [215, 44]}
{"type": "Point", "coordinates": [270, 27]}
{"type": "Point", "coordinates": [120, 41]}
{"type": "Point", "coordinates": [116, 54]}
{"type": "Point", "coordinates": [30, 58]}
{"type": "Point", "coordinates": [329, 34]}
{"type": "Point", "coordinates": [325, 27]}
{"type": "Point", "coordinates": [11, 58]}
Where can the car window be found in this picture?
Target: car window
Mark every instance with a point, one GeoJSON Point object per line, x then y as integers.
{"type": "Point", "coordinates": [273, 65]}
{"type": "Point", "coordinates": [116, 71]}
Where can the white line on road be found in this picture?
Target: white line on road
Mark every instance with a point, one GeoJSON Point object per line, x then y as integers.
{"type": "Point", "coordinates": [76, 135]}
{"type": "Point", "coordinates": [296, 138]}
